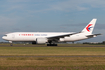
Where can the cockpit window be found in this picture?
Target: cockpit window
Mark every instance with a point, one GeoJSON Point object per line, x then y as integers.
{"type": "Point", "coordinates": [5, 35]}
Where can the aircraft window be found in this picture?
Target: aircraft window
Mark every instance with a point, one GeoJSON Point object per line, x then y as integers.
{"type": "Point", "coordinates": [5, 35]}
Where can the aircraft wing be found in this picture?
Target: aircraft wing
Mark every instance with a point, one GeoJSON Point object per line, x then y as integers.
{"type": "Point", "coordinates": [94, 35]}
{"type": "Point", "coordinates": [61, 36]}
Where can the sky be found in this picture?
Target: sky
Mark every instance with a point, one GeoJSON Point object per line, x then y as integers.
{"type": "Point", "coordinates": [51, 16]}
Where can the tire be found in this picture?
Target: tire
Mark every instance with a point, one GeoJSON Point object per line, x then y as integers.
{"type": "Point", "coordinates": [51, 44]}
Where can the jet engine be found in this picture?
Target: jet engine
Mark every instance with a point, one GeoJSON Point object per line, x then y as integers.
{"type": "Point", "coordinates": [61, 40]}
{"type": "Point", "coordinates": [41, 40]}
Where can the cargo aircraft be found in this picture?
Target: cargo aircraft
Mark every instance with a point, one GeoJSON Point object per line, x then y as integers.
{"type": "Point", "coordinates": [51, 38]}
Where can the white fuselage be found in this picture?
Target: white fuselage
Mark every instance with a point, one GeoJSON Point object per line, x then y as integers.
{"type": "Point", "coordinates": [32, 36]}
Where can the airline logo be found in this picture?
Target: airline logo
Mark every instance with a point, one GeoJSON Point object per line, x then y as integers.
{"type": "Point", "coordinates": [88, 28]}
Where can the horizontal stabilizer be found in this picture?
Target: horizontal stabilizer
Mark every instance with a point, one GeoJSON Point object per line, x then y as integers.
{"type": "Point", "coordinates": [94, 35]}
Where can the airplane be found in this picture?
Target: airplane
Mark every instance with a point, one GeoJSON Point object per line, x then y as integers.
{"type": "Point", "coordinates": [51, 38]}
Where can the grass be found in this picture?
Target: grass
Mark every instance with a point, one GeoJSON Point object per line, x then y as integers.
{"type": "Point", "coordinates": [52, 50]}
{"type": "Point", "coordinates": [65, 63]}
{"type": "Point", "coordinates": [52, 63]}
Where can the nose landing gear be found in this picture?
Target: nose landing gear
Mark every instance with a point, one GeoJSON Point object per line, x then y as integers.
{"type": "Point", "coordinates": [11, 44]}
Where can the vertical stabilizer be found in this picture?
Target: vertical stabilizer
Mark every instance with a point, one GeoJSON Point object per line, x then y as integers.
{"type": "Point", "coordinates": [89, 28]}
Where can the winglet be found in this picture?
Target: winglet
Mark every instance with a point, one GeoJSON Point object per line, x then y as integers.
{"type": "Point", "coordinates": [89, 28]}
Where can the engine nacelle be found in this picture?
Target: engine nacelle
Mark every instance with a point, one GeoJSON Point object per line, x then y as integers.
{"type": "Point", "coordinates": [61, 40]}
{"type": "Point", "coordinates": [41, 40]}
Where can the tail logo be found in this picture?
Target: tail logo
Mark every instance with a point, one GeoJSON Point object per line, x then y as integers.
{"type": "Point", "coordinates": [88, 28]}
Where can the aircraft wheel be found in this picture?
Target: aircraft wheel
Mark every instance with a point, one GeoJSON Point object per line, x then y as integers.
{"type": "Point", "coordinates": [11, 44]}
{"type": "Point", "coordinates": [51, 44]}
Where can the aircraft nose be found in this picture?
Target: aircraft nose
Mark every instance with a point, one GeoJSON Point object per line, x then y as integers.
{"type": "Point", "coordinates": [3, 38]}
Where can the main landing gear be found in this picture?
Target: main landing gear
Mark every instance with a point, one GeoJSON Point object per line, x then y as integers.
{"type": "Point", "coordinates": [51, 44]}
{"type": "Point", "coordinates": [73, 42]}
